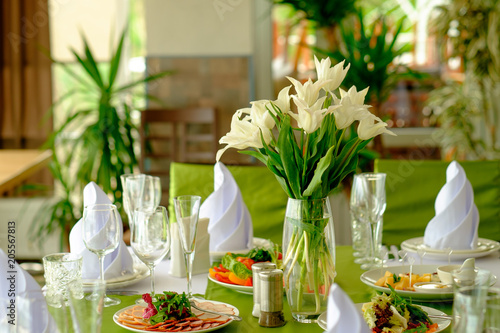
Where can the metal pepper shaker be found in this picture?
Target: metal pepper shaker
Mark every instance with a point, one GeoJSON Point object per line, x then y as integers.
{"type": "Point", "coordinates": [271, 298]}
{"type": "Point", "coordinates": [256, 269]}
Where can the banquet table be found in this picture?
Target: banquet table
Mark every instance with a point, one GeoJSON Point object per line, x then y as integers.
{"type": "Point", "coordinates": [348, 278]}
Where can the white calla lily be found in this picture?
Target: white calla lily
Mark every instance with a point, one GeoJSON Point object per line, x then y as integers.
{"type": "Point", "coordinates": [244, 134]}
{"type": "Point", "coordinates": [372, 126]}
{"type": "Point", "coordinates": [335, 75]}
{"type": "Point", "coordinates": [352, 96]}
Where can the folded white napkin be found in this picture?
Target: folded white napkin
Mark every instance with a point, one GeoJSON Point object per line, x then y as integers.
{"type": "Point", "coordinates": [342, 314]}
{"type": "Point", "coordinates": [457, 218]}
{"type": "Point", "coordinates": [201, 262]}
{"type": "Point", "coordinates": [230, 225]}
{"type": "Point", "coordinates": [116, 264]}
{"type": "Point", "coordinates": [19, 287]}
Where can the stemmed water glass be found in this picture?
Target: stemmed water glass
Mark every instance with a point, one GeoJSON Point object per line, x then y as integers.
{"type": "Point", "coordinates": [187, 208]}
{"type": "Point", "coordinates": [101, 234]}
{"type": "Point", "coordinates": [368, 204]}
{"type": "Point", "coordinates": [150, 238]}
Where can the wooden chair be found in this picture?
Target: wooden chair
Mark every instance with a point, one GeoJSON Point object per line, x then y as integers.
{"type": "Point", "coordinates": [176, 135]}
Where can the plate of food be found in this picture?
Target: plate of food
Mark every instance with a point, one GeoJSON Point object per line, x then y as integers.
{"type": "Point", "coordinates": [181, 316]}
{"type": "Point", "coordinates": [393, 312]}
{"type": "Point", "coordinates": [235, 270]}
{"type": "Point", "coordinates": [257, 243]}
{"type": "Point", "coordinates": [398, 277]}
{"type": "Point", "coordinates": [484, 248]}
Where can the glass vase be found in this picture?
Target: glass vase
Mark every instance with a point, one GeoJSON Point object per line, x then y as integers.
{"type": "Point", "coordinates": [309, 260]}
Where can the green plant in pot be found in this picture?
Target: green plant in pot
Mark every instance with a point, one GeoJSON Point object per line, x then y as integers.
{"type": "Point", "coordinates": [370, 51]}
{"type": "Point", "coordinates": [94, 140]}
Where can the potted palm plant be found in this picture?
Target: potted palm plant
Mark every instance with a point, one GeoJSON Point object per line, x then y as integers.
{"type": "Point", "coordinates": [94, 140]}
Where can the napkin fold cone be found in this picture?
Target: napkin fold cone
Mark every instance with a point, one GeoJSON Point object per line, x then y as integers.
{"type": "Point", "coordinates": [117, 263]}
{"type": "Point", "coordinates": [456, 222]}
{"type": "Point", "coordinates": [230, 225]}
{"type": "Point", "coordinates": [201, 262]}
{"type": "Point", "coordinates": [342, 314]}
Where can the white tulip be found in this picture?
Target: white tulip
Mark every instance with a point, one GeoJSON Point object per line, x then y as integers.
{"type": "Point", "coordinates": [244, 134]}
{"type": "Point", "coordinates": [351, 107]}
{"type": "Point", "coordinates": [309, 118]}
{"type": "Point", "coordinates": [283, 101]}
{"type": "Point", "coordinates": [334, 74]}
{"type": "Point", "coordinates": [308, 91]}
{"type": "Point", "coordinates": [372, 126]}
{"type": "Point", "coordinates": [353, 96]}
{"type": "Point", "coordinates": [260, 115]}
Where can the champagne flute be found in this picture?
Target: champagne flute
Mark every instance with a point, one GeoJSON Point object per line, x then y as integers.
{"type": "Point", "coordinates": [132, 189]}
{"type": "Point", "coordinates": [150, 238]}
{"type": "Point", "coordinates": [187, 208]}
{"type": "Point", "coordinates": [101, 234]}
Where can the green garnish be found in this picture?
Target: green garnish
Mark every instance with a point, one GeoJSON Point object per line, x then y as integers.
{"type": "Point", "coordinates": [171, 306]}
{"type": "Point", "coordinates": [396, 278]}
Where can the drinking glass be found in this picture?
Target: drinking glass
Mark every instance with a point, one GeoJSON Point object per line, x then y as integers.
{"type": "Point", "coordinates": [150, 238]}
{"type": "Point", "coordinates": [101, 235]}
{"type": "Point", "coordinates": [187, 208]}
{"type": "Point", "coordinates": [33, 314]}
{"type": "Point", "coordinates": [133, 186]}
{"type": "Point", "coordinates": [86, 300]}
{"type": "Point", "coordinates": [59, 270]}
{"type": "Point", "coordinates": [369, 205]}
{"type": "Point", "coordinates": [360, 231]}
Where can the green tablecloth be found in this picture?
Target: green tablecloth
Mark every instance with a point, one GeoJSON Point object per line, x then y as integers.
{"type": "Point", "coordinates": [348, 274]}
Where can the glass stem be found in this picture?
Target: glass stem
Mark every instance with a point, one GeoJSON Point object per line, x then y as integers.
{"type": "Point", "coordinates": [189, 272]}
{"type": "Point", "coordinates": [101, 264]}
{"type": "Point", "coordinates": [152, 270]}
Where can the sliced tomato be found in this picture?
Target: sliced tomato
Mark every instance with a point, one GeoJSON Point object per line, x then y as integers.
{"type": "Point", "coordinates": [221, 278]}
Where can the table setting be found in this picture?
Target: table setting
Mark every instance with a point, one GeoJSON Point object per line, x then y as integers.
{"type": "Point", "coordinates": [203, 269]}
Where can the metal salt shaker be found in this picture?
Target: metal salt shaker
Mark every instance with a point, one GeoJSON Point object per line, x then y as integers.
{"type": "Point", "coordinates": [256, 269]}
{"type": "Point", "coordinates": [271, 298]}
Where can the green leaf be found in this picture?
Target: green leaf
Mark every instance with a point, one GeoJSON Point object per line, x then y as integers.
{"type": "Point", "coordinates": [115, 61]}
{"type": "Point", "coordinates": [287, 154]}
{"type": "Point", "coordinates": [322, 166]}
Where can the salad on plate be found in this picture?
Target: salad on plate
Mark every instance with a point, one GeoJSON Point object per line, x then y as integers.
{"type": "Point", "coordinates": [393, 314]}
{"type": "Point", "coordinates": [237, 268]}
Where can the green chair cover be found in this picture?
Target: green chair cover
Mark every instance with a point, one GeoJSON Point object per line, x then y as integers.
{"type": "Point", "coordinates": [264, 197]}
{"type": "Point", "coordinates": [412, 187]}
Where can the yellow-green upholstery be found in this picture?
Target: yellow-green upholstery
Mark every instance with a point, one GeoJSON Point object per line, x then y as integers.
{"type": "Point", "coordinates": [412, 187]}
{"type": "Point", "coordinates": [261, 192]}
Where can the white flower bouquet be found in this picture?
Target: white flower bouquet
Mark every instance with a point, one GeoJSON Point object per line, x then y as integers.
{"type": "Point", "coordinates": [307, 153]}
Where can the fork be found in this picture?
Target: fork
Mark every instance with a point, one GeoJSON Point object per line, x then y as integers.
{"type": "Point", "coordinates": [235, 317]}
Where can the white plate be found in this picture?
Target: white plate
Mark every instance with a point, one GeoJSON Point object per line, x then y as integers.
{"type": "Point", "coordinates": [235, 287]}
{"type": "Point", "coordinates": [257, 242]}
{"type": "Point", "coordinates": [140, 272]}
{"type": "Point", "coordinates": [484, 248]}
{"type": "Point", "coordinates": [442, 323]}
{"type": "Point", "coordinates": [235, 309]}
{"type": "Point", "coordinates": [371, 277]}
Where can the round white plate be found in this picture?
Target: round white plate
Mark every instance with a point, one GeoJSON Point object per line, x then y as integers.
{"type": "Point", "coordinates": [140, 272]}
{"type": "Point", "coordinates": [371, 277]}
{"type": "Point", "coordinates": [484, 248]}
{"type": "Point", "coordinates": [442, 323]}
{"type": "Point", "coordinates": [235, 309]}
{"type": "Point", "coordinates": [235, 287]}
{"type": "Point", "coordinates": [257, 242]}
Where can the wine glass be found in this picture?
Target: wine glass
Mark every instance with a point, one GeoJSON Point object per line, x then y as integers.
{"type": "Point", "coordinates": [150, 238]}
{"type": "Point", "coordinates": [187, 208]}
{"type": "Point", "coordinates": [370, 207]}
{"type": "Point", "coordinates": [101, 234]}
{"type": "Point", "coordinates": [133, 187]}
